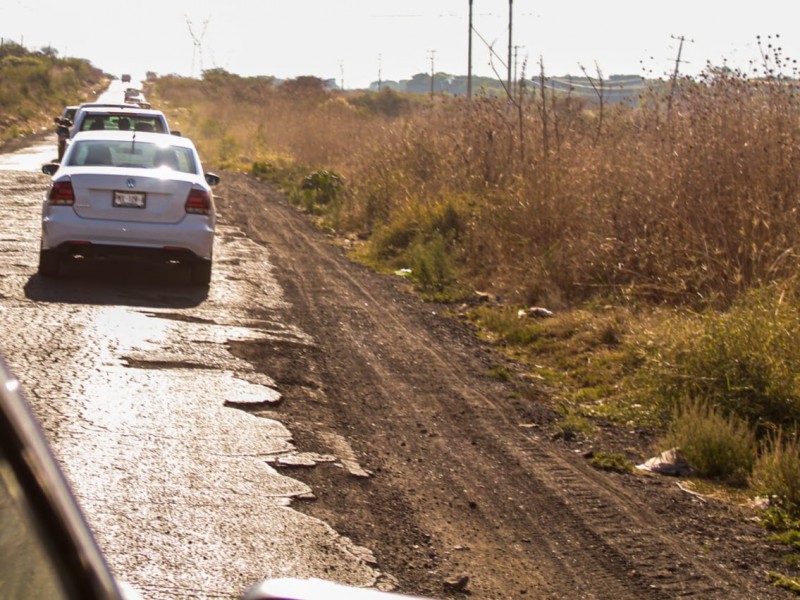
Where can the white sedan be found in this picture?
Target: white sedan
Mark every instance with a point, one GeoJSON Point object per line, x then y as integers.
{"type": "Point", "coordinates": [133, 193]}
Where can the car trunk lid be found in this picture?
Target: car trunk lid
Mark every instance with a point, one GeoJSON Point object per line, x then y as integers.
{"type": "Point", "coordinates": [131, 195]}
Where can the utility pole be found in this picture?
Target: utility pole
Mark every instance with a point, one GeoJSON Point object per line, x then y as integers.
{"type": "Point", "coordinates": [379, 72]}
{"type": "Point", "coordinates": [516, 64]}
{"type": "Point", "coordinates": [674, 82]}
{"type": "Point", "coordinates": [469, 55]}
{"type": "Point", "coordinates": [433, 54]}
{"type": "Point", "coordinates": [510, 18]}
{"type": "Point", "coordinates": [341, 73]}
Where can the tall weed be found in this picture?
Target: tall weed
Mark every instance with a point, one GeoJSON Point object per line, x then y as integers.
{"type": "Point", "coordinates": [685, 197]}
{"type": "Point", "coordinates": [717, 446]}
{"type": "Point", "coordinates": [776, 472]}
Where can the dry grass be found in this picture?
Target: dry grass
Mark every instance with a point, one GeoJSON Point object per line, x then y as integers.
{"type": "Point", "coordinates": [691, 200]}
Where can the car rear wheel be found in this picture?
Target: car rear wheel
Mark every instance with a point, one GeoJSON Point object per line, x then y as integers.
{"type": "Point", "coordinates": [201, 272]}
{"type": "Point", "coordinates": [49, 263]}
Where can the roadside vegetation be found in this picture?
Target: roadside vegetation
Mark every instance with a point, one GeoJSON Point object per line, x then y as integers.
{"type": "Point", "coordinates": [662, 234]}
{"type": "Point", "coordinates": [36, 85]}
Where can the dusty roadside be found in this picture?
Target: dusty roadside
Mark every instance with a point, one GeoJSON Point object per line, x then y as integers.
{"type": "Point", "coordinates": [456, 483]}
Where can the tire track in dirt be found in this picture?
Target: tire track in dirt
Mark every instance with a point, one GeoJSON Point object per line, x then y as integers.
{"type": "Point", "coordinates": [459, 487]}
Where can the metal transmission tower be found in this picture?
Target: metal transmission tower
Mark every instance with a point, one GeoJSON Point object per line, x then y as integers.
{"type": "Point", "coordinates": [197, 43]}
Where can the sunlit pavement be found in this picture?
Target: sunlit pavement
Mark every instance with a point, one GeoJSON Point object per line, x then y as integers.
{"type": "Point", "coordinates": [130, 378]}
{"type": "Point", "coordinates": [31, 158]}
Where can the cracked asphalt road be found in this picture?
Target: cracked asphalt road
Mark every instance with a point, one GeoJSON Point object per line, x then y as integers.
{"type": "Point", "coordinates": [129, 371]}
{"type": "Point", "coordinates": [305, 416]}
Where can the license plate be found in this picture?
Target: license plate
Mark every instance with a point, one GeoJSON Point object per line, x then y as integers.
{"type": "Point", "coordinates": [129, 199]}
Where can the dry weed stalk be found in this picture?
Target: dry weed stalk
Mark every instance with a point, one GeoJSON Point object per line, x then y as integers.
{"type": "Point", "coordinates": [558, 197]}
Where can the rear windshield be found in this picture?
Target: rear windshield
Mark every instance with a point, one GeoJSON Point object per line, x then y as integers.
{"type": "Point", "coordinates": [122, 122]}
{"type": "Point", "coordinates": [142, 155]}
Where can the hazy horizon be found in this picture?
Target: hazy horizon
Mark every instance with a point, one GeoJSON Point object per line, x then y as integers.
{"type": "Point", "coordinates": [362, 41]}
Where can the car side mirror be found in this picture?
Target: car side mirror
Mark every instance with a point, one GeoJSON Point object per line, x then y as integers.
{"type": "Point", "coordinates": [50, 168]}
{"type": "Point", "coordinates": [212, 179]}
{"type": "Point", "coordinates": [178, 133]}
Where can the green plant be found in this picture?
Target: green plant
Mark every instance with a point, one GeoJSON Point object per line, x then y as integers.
{"type": "Point", "coordinates": [788, 583]}
{"type": "Point", "coordinates": [500, 372]}
{"type": "Point", "coordinates": [609, 461]}
{"type": "Point", "coordinates": [776, 472]}
{"type": "Point", "coordinates": [572, 425]}
{"type": "Point", "coordinates": [717, 446]}
{"type": "Point", "coordinates": [322, 187]}
{"type": "Point", "coordinates": [745, 360]}
{"type": "Point", "coordinates": [789, 538]}
{"type": "Point", "coordinates": [430, 265]}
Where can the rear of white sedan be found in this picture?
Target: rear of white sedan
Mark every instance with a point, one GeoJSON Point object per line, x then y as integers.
{"type": "Point", "coordinates": [136, 194]}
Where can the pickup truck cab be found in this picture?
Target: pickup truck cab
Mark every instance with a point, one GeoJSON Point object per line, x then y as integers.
{"type": "Point", "coordinates": [119, 117]}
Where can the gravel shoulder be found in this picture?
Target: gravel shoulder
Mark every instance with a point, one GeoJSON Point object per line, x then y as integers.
{"type": "Point", "coordinates": [456, 482]}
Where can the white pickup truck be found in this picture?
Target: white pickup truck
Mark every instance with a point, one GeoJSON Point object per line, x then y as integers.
{"type": "Point", "coordinates": [119, 117]}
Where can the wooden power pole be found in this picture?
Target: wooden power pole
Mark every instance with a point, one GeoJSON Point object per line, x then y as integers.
{"type": "Point", "coordinates": [510, 43]}
{"type": "Point", "coordinates": [469, 55]}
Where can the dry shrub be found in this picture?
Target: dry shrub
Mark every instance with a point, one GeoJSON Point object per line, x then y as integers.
{"type": "Point", "coordinates": [689, 198]}
{"type": "Point", "coordinates": [36, 85]}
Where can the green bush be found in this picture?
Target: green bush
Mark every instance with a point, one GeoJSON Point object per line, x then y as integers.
{"type": "Point", "coordinates": [717, 446]}
{"type": "Point", "coordinates": [35, 86]}
{"type": "Point", "coordinates": [745, 360]}
{"type": "Point", "coordinates": [322, 187]}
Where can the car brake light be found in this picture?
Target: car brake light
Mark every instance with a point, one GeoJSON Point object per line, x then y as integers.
{"type": "Point", "coordinates": [62, 194]}
{"type": "Point", "coordinates": [198, 202]}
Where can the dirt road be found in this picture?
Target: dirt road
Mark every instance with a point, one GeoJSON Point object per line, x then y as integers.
{"type": "Point", "coordinates": [466, 480]}
{"type": "Point", "coordinates": [407, 462]}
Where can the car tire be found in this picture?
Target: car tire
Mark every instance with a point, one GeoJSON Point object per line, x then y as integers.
{"type": "Point", "coordinates": [201, 272]}
{"type": "Point", "coordinates": [49, 263]}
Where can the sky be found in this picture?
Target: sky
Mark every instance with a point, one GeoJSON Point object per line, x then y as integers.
{"type": "Point", "coordinates": [357, 42]}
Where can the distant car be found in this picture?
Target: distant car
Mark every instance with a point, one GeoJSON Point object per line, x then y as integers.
{"type": "Point", "coordinates": [63, 125]}
{"type": "Point", "coordinates": [126, 78]}
{"type": "Point", "coordinates": [129, 193]}
{"type": "Point", "coordinates": [134, 95]}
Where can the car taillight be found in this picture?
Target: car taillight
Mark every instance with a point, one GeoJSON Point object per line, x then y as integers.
{"type": "Point", "coordinates": [62, 194]}
{"type": "Point", "coordinates": [198, 202]}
